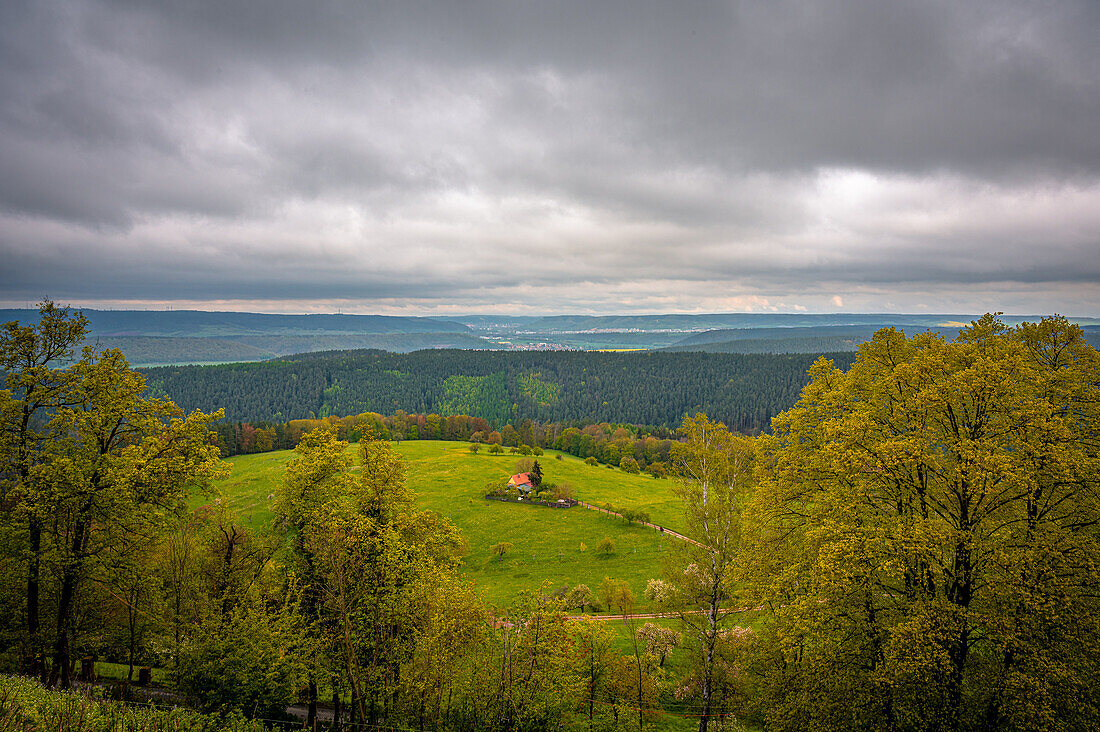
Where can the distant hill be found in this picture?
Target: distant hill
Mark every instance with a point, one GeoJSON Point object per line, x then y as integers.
{"type": "Point", "coordinates": [790, 340]}
{"type": "Point", "coordinates": [152, 337]}
{"type": "Point", "coordinates": [808, 340]}
{"type": "Point", "coordinates": [207, 324]}
{"type": "Point", "coordinates": [169, 337]}
{"type": "Point", "coordinates": [736, 320]}
{"type": "Point", "coordinates": [158, 351]}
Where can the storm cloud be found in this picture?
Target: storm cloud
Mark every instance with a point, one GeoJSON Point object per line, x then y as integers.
{"type": "Point", "coordinates": [552, 157]}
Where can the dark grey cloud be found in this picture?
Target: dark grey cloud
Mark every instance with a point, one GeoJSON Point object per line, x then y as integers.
{"type": "Point", "coordinates": [605, 155]}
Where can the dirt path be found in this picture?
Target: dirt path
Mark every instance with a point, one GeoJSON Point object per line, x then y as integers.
{"type": "Point", "coordinates": [676, 614]}
{"type": "Point", "coordinates": [658, 527]}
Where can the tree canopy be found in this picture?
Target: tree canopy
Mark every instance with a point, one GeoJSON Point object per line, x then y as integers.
{"type": "Point", "coordinates": [90, 468]}
{"type": "Point", "coordinates": [925, 536]}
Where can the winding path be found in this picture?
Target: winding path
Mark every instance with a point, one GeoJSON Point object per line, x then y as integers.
{"type": "Point", "coordinates": [658, 527]}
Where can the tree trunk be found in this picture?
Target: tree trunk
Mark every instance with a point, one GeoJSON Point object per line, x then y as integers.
{"type": "Point", "coordinates": [36, 662]}
{"type": "Point", "coordinates": [708, 660]}
{"type": "Point", "coordinates": [61, 650]}
{"type": "Point", "coordinates": [132, 617]}
{"type": "Point", "coordinates": [311, 715]}
{"type": "Point", "coordinates": [69, 579]}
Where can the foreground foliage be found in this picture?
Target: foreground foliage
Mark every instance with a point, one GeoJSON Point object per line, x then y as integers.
{"type": "Point", "coordinates": [27, 705]}
{"type": "Point", "coordinates": [91, 471]}
{"type": "Point", "coordinates": [925, 537]}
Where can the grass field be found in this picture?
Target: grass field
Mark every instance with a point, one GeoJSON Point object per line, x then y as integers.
{"type": "Point", "coordinates": [108, 670]}
{"type": "Point", "coordinates": [552, 546]}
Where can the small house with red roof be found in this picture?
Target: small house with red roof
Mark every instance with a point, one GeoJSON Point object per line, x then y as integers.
{"type": "Point", "coordinates": [521, 482]}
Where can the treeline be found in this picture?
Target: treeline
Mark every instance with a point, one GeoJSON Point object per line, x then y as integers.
{"type": "Point", "coordinates": [743, 390]}
{"type": "Point", "coordinates": [643, 447]}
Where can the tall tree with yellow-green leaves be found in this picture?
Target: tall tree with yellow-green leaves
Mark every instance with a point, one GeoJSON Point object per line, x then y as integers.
{"type": "Point", "coordinates": [318, 475]}
{"type": "Point", "coordinates": [37, 382]}
{"type": "Point", "coordinates": [123, 465]}
{"type": "Point", "coordinates": [380, 567]}
{"type": "Point", "coordinates": [715, 471]}
{"type": "Point", "coordinates": [926, 537]}
{"type": "Point", "coordinates": [91, 467]}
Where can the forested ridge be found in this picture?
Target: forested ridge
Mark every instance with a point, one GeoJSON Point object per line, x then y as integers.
{"type": "Point", "coordinates": [743, 390]}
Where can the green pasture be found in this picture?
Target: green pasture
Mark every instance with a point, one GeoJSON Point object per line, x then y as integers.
{"type": "Point", "coordinates": [549, 546]}
{"type": "Point", "coordinates": [108, 670]}
{"type": "Point", "coordinates": [251, 480]}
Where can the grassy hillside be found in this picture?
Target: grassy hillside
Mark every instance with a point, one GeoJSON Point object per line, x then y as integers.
{"type": "Point", "coordinates": [546, 543]}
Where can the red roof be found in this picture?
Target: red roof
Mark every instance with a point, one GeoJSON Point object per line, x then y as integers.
{"type": "Point", "coordinates": [520, 478]}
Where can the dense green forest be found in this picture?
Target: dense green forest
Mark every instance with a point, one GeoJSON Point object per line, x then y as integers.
{"type": "Point", "coordinates": [914, 546]}
{"type": "Point", "coordinates": [744, 391]}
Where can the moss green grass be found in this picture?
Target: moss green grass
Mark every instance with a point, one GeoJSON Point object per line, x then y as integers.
{"type": "Point", "coordinates": [554, 547]}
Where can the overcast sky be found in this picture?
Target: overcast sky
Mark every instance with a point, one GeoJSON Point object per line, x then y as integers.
{"type": "Point", "coordinates": [543, 157]}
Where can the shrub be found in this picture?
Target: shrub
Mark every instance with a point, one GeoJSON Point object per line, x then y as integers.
{"type": "Point", "coordinates": [248, 664]}
{"type": "Point", "coordinates": [537, 451]}
{"type": "Point", "coordinates": [659, 592]}
{"type": "Point", "coordinates": [591, 461]}
{"type": "Point", "coordinates": [524, 450]}
{"type": "Point", "coordinates": [605, 547]}
{"type": "Point", "coordinates": [578, 597]}
{"type": "Point", "coordinates": [524, 465]}
{"type": "Point", "coordinates": [25, 705]}
{"type": "Point", "coordinates": [495, 449]}
{"type": "Point", "coordinates": [499, 550]}
{"type": "Point", "coordinates": [629, 465]}
{"type": "Point", "coordinates": [474, 447]}
{"type": "Point", "coordinates": [557, 457]}
{"type": "Point", "coordinates": [564, 490]}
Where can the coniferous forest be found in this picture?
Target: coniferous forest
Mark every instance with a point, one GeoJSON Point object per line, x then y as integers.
{"type": "Point", "coordinates": [743, 391]}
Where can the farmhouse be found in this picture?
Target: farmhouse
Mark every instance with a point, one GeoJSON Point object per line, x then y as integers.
{"type": "Point", "coordinates": [521, 482]}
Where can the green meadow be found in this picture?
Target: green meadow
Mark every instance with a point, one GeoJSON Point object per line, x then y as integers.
{"type": "Point", "coordinates": [554, 547]}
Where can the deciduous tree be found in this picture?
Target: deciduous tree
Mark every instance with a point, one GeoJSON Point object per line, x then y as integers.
{"type": "Point", "coordinates": [714, 468]}
{"type": "Point", "coordinates": [926, 536]}
{"type": "Point", "coordinates": [37, 382]}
